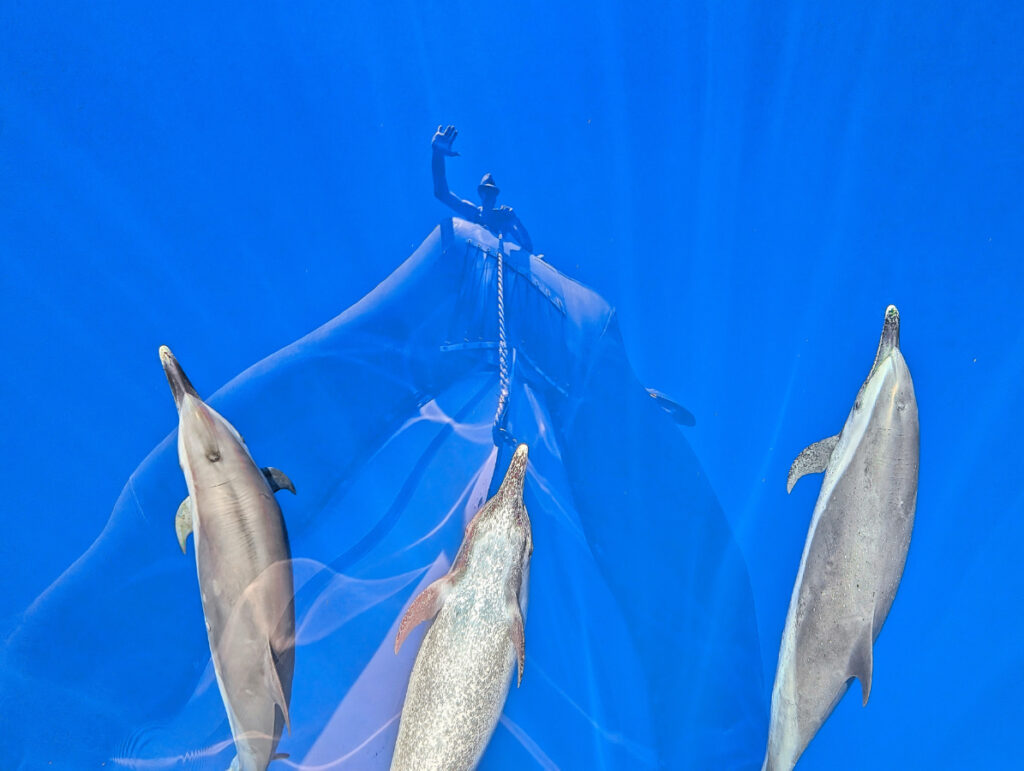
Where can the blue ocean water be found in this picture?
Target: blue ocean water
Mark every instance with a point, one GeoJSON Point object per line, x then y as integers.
{"type": "Point", "coordinates": [749, 187]}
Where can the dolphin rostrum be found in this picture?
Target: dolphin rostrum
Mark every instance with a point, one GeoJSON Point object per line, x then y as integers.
{"type": "Point", "coordinates": [244, 566]}
{"type": "Point", "coordinates": [854, 555]}
{"type": "Point", "coordinates": [463, 669]}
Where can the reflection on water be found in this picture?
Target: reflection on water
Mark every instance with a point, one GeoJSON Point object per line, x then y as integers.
{"type": "Point", "coordinates": [641, 641]}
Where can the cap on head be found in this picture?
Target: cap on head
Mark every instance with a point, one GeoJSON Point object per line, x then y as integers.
{"type": "Point", "coordinates": [176, 377]}
{"type": "Point", "coordinates": [487, 185]}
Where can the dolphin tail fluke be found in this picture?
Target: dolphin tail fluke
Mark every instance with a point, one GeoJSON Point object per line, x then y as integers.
{"type": "Point", "coordinates": [183, 522]}
{"type": "Point", "coordinates": [278, 480]}
{"type": "Point", "coordinates": [812, 460]}
{"type": "Point", "coordinates": [423, 608]}
{"type": "Point", "coordinates": [862, 662]}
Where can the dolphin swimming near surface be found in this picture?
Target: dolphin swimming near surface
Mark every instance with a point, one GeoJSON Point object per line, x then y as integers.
{"type": "Point", "coordinates": [463, 670]}
{"type": "Point", "coordinates": [244, 566]}
{"type": "Point", "coordinates": [854, 555]}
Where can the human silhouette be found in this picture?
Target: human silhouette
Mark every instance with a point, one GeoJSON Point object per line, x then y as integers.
{"type": "Point", "coordinates": [500, 220]}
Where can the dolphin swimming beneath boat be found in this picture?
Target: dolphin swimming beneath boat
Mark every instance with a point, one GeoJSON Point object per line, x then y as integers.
{"type": "Point", "coordinates": [244, 566]}
{"type": "Point", "coordinates": [854, 555]}
{"type": "Point", "coordinates": [463, 670]}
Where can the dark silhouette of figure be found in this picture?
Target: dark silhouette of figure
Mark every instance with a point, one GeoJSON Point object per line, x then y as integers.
{"type": "Point", "coordinates": [500, 220]}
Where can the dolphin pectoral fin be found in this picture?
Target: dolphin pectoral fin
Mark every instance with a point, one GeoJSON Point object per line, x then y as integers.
{"type": "Point", "coordinates": [280, 755]}
{"type": "Point", "coordinates": [183, 522]}
{"type": "Point", "coordinates": [278, 480]}
{"type": "Point", "coordinates": [274, 687]}
{"type": "Point", "coordinates": [862, 662]}
{"type": "Point", "coordinates": [679, 413]}
{"type": "Point", "coordinates": [423, 608]}
{"type": "Point", "coordinates": [514, 628]}
{"type": "Point", "coordinates": [518, 640]}
{"type": "Point", "coordinates": [812, 460]}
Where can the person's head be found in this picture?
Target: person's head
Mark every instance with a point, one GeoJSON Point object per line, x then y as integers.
{"type": "Point", "coordinates": [488, 191]}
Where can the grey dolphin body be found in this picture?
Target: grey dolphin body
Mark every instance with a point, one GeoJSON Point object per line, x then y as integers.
{"type": "Point", "coordinates": [244, 566]}
{"type": "Point", "coordinates": [854, 554]}
{"type": "Point", "coordinates": [463, 669]}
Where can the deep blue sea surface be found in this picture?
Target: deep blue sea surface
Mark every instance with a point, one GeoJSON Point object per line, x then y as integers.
{"type": "Point", "coordinates": [747, 185]}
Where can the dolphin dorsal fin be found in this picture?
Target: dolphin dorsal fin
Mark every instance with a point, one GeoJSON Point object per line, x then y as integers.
{"type": "Point", "coordinates": [812, 460]}
{"type": "Point", "coordinates": [278, 480]}
{"type": "Point", "coordinates": [183, 522]}
{"type": "Point", "coordinates": [275, 689]}
{"type": "Point", "coordinates": [423, 608]}
{"type": "Point", "coordinates": [862, 661]}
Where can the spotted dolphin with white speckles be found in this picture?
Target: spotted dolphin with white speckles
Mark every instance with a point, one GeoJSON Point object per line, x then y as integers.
{"type": "Point", "coordinates": [244, 566]}
{"type": "Point", "coordinates": [463, 670]}
{"type": "Point", "coordinates": [854, 555]}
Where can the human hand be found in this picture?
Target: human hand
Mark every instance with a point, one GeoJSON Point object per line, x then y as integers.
{"type": "Point", "coordinates": [442, 141]}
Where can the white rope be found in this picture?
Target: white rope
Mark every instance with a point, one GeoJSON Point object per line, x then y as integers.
{"type": "Point", "coordinates": [504, 376]}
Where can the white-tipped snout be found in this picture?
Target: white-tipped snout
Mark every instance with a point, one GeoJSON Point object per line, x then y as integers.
{"type": "Point", "coordinates": [516, 474]}
{"type": "Point", "coordinates": [176, 377]}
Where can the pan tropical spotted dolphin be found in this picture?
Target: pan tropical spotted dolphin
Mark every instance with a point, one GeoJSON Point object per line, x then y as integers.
{"type": "Point", "coordinates": [854, 554]}
{"type": "Point", "coordinates": [244, 566]}
{"type": "Point", "coordinates": [464, 666]}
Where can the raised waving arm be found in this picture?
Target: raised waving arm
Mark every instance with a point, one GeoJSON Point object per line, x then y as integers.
{"type": "Point", "coordinates": [441, 145]}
